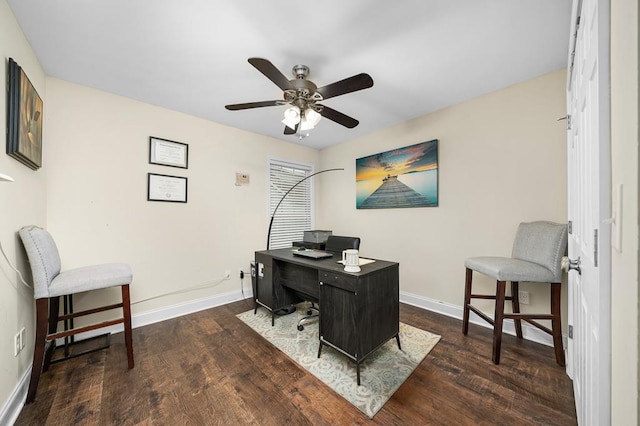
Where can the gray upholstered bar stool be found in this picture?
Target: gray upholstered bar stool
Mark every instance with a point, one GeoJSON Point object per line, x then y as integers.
{"type": "Point", "coordinates": [49, 284]}
{"type": "Point", "coordinates": [536, 257]}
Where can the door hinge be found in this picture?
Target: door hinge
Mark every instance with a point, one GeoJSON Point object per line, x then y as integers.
{"type": "Point", "coordinates": [568, 118]}
{"type": "Point", "coordinates": [570, 332]}
{"type": "Point", "coordinates": [570, 227]}
{"type": "Point", "coordinates": [595, 247]}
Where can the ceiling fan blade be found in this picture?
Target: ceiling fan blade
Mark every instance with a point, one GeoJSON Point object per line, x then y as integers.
{"type": "Point", "coordinates": [348, 85]}
{"type": "Point", "coordinates": [236, 107]}
{"type": "Point", "coordinates": [289, 131]}
{"type": "Point", "coordinates": [271, 72]}
{"type": "Point", "coordinates": [338, 117]}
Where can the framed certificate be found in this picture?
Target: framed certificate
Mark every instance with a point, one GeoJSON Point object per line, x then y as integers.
{"type": "Point", "coordinates": [166, 188]}
{"type": "Point", "coordinates": [168, 153]}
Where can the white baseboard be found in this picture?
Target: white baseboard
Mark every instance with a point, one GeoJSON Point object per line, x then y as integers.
{"type": "Point", "coordinates": [14, 404]}
{"type": "Point", "coordinates": [529, 332]}
{"type": "Point", "coordinates": [168, 312]}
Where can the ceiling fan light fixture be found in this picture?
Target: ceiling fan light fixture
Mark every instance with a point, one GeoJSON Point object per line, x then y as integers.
{"type": "Point", "coordinates": [309, 119]}
{"type": "Point", "coordinates": [312, 117]}
{"type": "Point", "coordinates": [291, 117]}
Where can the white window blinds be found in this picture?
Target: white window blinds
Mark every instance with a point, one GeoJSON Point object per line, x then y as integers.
{"type": "Point", "coordinates": [294, 214]}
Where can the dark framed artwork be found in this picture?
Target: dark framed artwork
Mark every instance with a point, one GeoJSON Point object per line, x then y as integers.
{"type": "Point", "coordinates": [399, 178]}
{"type": "Point", "coordinates": [168, 153]}
{"type": "Point", "coordinates": [24, 118]}
{"type": "Point", "coordinates": [166, 188]}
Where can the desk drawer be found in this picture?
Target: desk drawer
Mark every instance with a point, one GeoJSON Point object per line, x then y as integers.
{"type": "Point", "coordinates": [338, 280]}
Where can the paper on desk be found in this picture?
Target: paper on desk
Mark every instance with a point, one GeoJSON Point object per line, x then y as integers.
{"type": "Point", "coordinates": [361, 261]}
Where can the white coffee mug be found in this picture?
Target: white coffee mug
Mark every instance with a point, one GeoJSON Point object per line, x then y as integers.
{"type": "Point", "coordinates": [351, 260]}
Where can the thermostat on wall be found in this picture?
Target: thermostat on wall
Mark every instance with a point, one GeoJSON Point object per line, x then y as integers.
{"type": "Point", "coordinates": [242, 179]}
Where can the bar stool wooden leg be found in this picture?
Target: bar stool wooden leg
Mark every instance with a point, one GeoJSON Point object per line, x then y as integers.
{"type": "Point", "coordinates": [128, 335]}
{"type": "Point", "coordinates": [467, 301]}
{"type": "Point", "coordinates": [42, 306]}
{"type": "Point", "coordinates": [556, 323]}
{"type": "Point", "coordinates": [515, 304]}
{"type": "Point", "coordinates": [499, 318]}
{"type": "Point", "coordinates": [54, 312]}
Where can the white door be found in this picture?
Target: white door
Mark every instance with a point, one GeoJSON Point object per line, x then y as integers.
{"type": "Point", "coordinates": [589, 210]}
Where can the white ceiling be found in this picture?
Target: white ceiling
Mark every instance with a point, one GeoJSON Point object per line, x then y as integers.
{"type": "Point", "coordinates": [191, 56]}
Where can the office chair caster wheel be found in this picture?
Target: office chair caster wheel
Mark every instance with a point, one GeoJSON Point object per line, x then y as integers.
{"type": "Point", "coordinates": [300, 327]}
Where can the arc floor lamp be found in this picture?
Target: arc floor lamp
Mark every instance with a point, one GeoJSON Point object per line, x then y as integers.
{"type": "Point", "coordinates": [273, 215]}
{"type": "Point", "coordinates": [289, 309]}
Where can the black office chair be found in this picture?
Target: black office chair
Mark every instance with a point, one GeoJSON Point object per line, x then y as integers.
{"type": "Point", "coordinates": [335, 244]}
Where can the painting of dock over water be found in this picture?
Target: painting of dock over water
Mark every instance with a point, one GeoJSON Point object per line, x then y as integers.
{"type": "Point", "coordinates": [403, 177]}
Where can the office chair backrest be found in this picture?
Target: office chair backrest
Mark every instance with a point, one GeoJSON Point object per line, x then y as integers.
{"type": "Point", "coordinates": [337, 243]}
{"type": "Point", "coordinates": [543, 243]}
{"type": "Point", "coordinates": [44, 258]}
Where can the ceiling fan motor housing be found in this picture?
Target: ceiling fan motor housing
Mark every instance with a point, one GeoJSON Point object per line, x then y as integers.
{"type": "Point", "coordinates": [304, 94]}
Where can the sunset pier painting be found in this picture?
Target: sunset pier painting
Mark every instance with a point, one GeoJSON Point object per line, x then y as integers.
{"type": "Point", "coordinates": [400, 178]}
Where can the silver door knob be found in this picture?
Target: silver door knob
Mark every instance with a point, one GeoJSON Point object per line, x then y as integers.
{"type": "Point", "coordinates": [571, 265]}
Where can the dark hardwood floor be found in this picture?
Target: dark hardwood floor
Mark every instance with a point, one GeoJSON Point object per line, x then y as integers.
{"type": "Point", "coordinates": [210, 368]}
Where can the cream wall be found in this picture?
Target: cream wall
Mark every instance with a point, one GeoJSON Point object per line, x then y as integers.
{"type": "Point", "coordinates": [502, 160]}
{"type": "Point", "coordinates": [22, 201]}
{"type": "Point", "coordinates": [97, 206]}
{"type": "Point", "coordinates": [624, 170]}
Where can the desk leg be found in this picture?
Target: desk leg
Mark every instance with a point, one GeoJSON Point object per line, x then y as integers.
{"type": "Point", "coordinates": [358, 373]}
{"type": "Point", "coordinates": [398, 340]}
{"type": "Point", "coordinates": [320, 349]}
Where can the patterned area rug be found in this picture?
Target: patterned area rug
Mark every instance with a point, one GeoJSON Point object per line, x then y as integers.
{"type": "Point", "coordinates": [381, 374]}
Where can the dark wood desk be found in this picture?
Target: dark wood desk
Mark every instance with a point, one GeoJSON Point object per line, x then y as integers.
{"type": "Point", "coordinates": [359, 312]}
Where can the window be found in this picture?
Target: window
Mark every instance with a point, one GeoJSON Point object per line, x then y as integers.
{"type": "Point", "coordinates": [294, 213]}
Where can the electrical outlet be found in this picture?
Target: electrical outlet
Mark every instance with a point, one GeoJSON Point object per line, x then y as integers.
{"type": "Point", "coordinates": [227, 275]}
{"type": "Point", "coordinates": [523, 297]}
{"type": "Point", "coordinates": [22, 342]}
{"type": "Point", "coordinates": [16, 344]}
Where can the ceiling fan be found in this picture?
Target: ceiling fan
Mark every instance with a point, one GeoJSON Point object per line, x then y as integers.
{"type": "Point", "coordinates": [303, 96]}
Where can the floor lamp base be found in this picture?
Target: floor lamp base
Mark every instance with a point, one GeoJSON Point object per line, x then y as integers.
{"type": "Point", "coordinates": [285, 311]}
